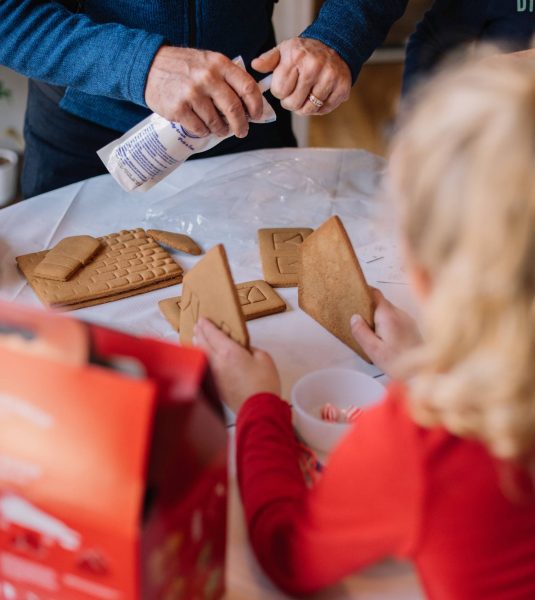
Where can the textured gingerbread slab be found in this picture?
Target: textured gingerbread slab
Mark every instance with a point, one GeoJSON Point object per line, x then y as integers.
{"type": "Point", "coordinates": [257, 299]}
{"type": "Point", "coordinates": [209, 291]}
{"type": "Point", "coordinates": [332, 286]}
{"type": "Point", "coordinates": [177, 241]}
{"type": "Point", "coordinates": [67, 257]}
{"type": "Point", "coordinates": [127, 264]}
{"type": "Point", "coordinates": [279, 253]}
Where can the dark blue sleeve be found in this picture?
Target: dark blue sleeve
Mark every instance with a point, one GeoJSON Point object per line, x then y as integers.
{"type": "Point", "coordinates": [45, 41]}
{"type": "Point", "coordinates": [355, 28]}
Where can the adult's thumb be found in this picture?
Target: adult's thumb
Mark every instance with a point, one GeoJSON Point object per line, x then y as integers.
{"type": "Point", "coordinates": [267, 62]}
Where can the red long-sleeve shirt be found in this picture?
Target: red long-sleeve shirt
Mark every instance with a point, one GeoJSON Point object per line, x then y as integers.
{"type": "Point", "coordinates": [392, 488]}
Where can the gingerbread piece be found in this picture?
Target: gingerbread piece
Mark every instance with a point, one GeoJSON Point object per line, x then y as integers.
{"type": "Point", "coordinates": [67, 257]}
{"type": "Point", "coordinates": [128, 263]}
{"type": "Point", "coordinates": [257, 299]}
{"type": "Point", "coordinates": [170, 309]}
{"type": "Point", "coordinates": [209, 291]}
{"type": "Point", "coordinates": [279, 253]}
{"type": "Point", "coordinates": [177, 241]}
{"type": "Point", "coordinates": [332, 286]}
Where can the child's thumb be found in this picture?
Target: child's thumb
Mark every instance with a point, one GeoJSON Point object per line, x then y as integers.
{"type": "Point", "coordinates": [267, 62]}
{"type": "Point", "coordinates": [364, 335]}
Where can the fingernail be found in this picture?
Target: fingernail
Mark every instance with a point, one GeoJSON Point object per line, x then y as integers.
{"type": "Point", "coordinates": [355, 319]}
{"type": "Point", "coordinates": [194, 340]}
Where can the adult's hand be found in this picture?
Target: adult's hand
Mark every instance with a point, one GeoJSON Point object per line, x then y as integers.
{"type": "Point", "coordinates": [395, 333]}
{"type": "Point", "coordinates": [304, 66]}
{"type": "Point", "coordinates": [239, 374]}
{"type": "Point", "coordinates": [204, 91]}
{"type": "Point", "coordinates": [506, 58]}
{"type": "Point", "coordinates": [524, 55]}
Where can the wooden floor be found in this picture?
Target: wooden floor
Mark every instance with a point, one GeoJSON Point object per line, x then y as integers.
{"type": "Point", "coordinates": [365, 120]}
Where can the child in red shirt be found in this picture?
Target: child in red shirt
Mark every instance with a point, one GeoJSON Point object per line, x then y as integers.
{"type": "Point", "coordinates": [441, 471]}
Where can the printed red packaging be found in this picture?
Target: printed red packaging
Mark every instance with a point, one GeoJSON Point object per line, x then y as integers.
{"type": "Point", "coordinates": [113, 478]}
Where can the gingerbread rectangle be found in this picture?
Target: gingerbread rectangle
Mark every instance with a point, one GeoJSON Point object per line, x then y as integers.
{"type": "Point", "coordinates": [67, 257]}
{"type": "Point", "coordinates": [279, 253]}
{"type": "Point", "coordinates": [257, 299]}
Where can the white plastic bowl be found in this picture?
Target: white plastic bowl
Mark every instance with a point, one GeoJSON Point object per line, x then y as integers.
{"type": "Point", "coordinates": [341, 388]}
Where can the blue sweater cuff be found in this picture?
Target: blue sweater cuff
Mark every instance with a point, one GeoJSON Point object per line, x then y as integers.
{"type": "Point", "coordinates": [140, 65]}
{"type": "Point", "coordinates": [355, 28]}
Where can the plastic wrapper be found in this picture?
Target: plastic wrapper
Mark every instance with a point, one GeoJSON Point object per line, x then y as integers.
{"type": "Point", "coordinates": [271, 188]}
{"type": "Point", "coordinates": [154, 148]}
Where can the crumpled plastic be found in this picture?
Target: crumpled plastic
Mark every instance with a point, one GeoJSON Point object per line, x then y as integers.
{"type": "Point", "coordinates": [265, 189]}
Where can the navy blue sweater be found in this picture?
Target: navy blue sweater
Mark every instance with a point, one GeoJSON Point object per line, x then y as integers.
{"type": "Point", "coordinates": [450, 23]}
{"type": "Point", "coordinates": [101, 50]}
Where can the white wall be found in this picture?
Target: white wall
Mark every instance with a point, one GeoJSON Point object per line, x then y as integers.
{"type": "Point", "coordinates": [12, 109]}
{"type": "Point", "coordinates": [290, 18]}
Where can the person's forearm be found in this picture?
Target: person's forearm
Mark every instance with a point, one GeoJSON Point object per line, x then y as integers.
{"type": "Point", "coordinates": [273, 491]}
{"type": "Point", "coordinates": [355, 28]}
{"type": "Point", "coordinates": [359, 510]}
{"type": "Point", "coordinates": [45, 41]}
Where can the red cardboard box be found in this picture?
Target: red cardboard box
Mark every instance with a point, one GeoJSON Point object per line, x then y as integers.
{"type": "Point", "coordinates": [113, 477]}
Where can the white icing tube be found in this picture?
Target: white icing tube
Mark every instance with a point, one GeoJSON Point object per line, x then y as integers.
{"type": "Point", "coordinates": [154, 148]}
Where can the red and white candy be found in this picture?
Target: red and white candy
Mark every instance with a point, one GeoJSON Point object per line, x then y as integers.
{"type": "Point", "coordinates": [352, 413]}
{"type": "Point", "coordinates": [333, 414]}
{"type": "Point", "coordinates": [330, 413]}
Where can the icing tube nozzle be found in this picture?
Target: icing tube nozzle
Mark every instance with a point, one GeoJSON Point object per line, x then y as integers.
{"type": "Point", "coordinates": [265, 84]}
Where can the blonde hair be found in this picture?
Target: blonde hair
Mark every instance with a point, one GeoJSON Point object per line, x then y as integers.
{"type": "Point", "coordinates": [463, 166]}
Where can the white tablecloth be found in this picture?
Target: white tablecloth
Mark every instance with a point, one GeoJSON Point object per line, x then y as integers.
{"type": "Point", "coordinates": [226, 200]}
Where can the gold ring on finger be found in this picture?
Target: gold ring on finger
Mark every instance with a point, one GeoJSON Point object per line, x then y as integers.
{"type": "Point", "coordinates": [315, 101]}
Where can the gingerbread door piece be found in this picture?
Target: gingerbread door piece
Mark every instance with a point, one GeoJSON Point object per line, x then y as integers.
{"type": "Point", "coordinates": [279, 253]}
{"type": "Point", "coordinates": [257, 299]}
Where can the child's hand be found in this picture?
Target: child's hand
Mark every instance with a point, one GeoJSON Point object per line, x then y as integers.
{"type": "Point", "coordinates": [239, 374]}
{"type": "Point", "coordinates": [395, 332]}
